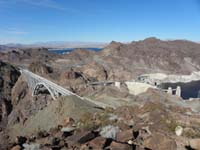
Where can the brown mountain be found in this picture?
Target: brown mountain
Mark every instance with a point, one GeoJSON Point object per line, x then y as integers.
{"type": "Point", "coordinates": [69, 123]}
{"type": "Point", "coordinates": [26, 56]}
{"type": "Point", "coordinates": [120, 61]}
{"type": "Point", "coordinates": [153, 55]}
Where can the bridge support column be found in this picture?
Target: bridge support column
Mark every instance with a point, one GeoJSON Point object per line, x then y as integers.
{"type": "Point", "coordinates": [178, 91]}
{"type": "Point", "coordinates": [117, 84]}
{"type": "Point", "coordinates": [169, 91]}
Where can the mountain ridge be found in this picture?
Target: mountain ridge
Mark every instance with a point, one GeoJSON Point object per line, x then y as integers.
{"type": "Point", "coordinates": [58, 44]}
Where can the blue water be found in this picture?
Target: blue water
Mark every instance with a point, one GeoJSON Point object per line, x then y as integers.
{"type": "Point", "coordinates": [67, 50]}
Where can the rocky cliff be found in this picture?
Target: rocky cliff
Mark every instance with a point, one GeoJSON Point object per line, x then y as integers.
{"type": "Point", "coordinates": [120, 61]}
{"type": "Point", "coordinates": [26, 56]}
{"type": "Point", "coordinates": [153, 56]}
{"type": "Point", "coordinates": [8, 77]}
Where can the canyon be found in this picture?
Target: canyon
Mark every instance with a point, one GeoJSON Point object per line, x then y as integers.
{"type": "Point", "coordinates": [131, 119]}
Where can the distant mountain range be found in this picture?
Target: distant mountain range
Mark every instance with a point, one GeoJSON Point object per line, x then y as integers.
{"type": "Point", "coordinates": [6, 48]}
{"type": "Point", "coordinates": [55, 45]}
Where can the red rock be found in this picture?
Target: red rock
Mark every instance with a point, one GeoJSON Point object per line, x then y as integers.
{"type": "Point", "coordinates": [83, 137]}
{"type": "Point", "coordinates": [144, 134]}
{"type": "Point", "coordinates": [71, 145]}
{"type": "Point", "coordinates": [195, 143]}
{"type": "Point", "coordinates": [95, 70]}
{"type": "Point", "coordinates": [17, 147]}
{"type": "Point", "coordinates": [119, 146]}
{"type": "Point", "coordinates": [125, 136]}
{"type": "Point", "coordinates": [68, 121]}
{"type": "Point", "coordinates": [160, 141]}
{"type": "Point", "coordinates": [97, 143]}
{"type": "Point", "coordinates": [140, 148]}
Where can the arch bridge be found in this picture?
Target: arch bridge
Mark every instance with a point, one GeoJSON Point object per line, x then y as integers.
{"type": "Point", "coordinates": [39, 84]}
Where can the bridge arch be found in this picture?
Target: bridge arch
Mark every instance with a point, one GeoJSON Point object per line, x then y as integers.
{"type": "Point", "coordinates": [38, 87]}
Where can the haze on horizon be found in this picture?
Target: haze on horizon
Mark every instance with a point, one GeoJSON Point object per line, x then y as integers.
{"type": "Point", "coordinates": [30, 21]}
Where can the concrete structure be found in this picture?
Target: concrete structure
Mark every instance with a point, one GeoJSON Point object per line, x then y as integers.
{"type": "Point", "coordinates": [136, 88]}
{"type": "Point", "coordinates": [169, 91]}
{"type": "Point", "coordinates": [152, 79]}
{"type": "Point", "coordinates": [117, 84]}
{"type": "Point", "coordinates": [104, 83]}
{"type": "Point", "coordinates": [37, 83]}
{"type": "Point", "coordinates": [178, 91]}
{"type": "Point", "coordinates": [158, 78]}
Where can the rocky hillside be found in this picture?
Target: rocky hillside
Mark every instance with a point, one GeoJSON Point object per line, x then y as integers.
{"type": "Point", "coordinates": [26, 56]}
{"type": "Point", "coordinates": [7, 48]}
{"type": "Point", "coordinates": [153, 55]}
{"type": "Point", "coordinates": [154, 124]}
{"type": "Point", "coordinates": [119, 61]}
{"type": "Point", "coordinates": [3, 48]}
{"type": "Point", "coordinates": [8, 77]}
{"type": "Point", "coordinates": [149, 121]}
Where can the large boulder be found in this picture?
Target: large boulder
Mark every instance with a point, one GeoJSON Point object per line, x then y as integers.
{"type": "Point", "coordinates": [194, 144]}
{"type": "Point", "coordinates": [160, 141]}
{"type": "Point", "coordinates": [95, 70]}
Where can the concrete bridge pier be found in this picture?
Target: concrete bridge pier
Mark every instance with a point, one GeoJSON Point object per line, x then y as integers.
{"type": "Point", "coordinates": [117, 84]}
{"type": "Point", "coordinates": [169, 91]}
{"type": "Point", "coordinates": [178, 91]}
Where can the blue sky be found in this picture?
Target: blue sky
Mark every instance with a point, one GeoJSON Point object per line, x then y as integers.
{"type": "Point", "coordinates": [29, 21]}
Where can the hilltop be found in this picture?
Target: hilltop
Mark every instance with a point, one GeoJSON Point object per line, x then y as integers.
{"type": "Point", "coordinates": [54, 45]}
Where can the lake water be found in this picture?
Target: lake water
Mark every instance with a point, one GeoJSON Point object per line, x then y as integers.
{"type": "Point", "coordinates": [188, 90]}
{"type": "Point", "coordinates": [67, 50]}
